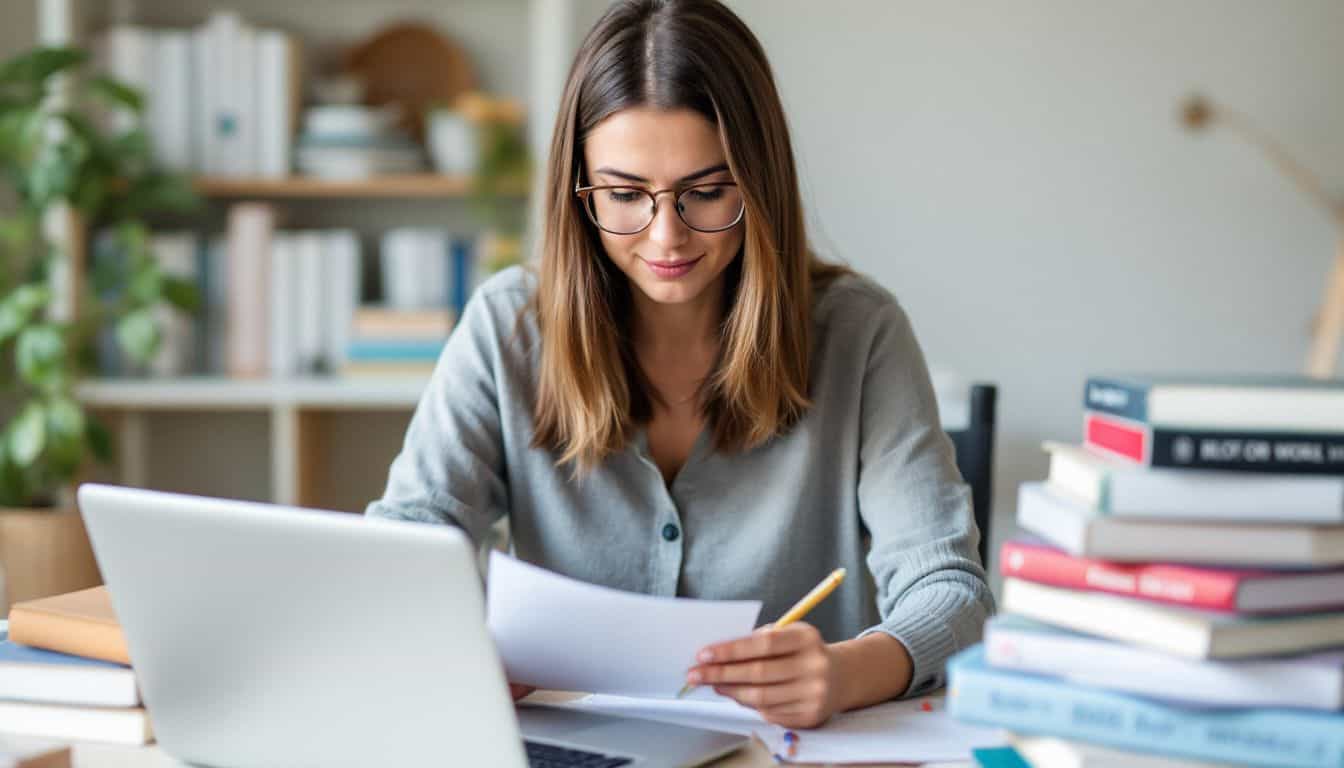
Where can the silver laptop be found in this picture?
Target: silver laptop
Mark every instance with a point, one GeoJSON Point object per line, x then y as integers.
{"type": "Point", "coordinates": [273, 636]}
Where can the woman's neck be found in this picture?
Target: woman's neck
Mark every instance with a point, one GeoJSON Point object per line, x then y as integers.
{"type": "Point", "coordinates": [689, 327]}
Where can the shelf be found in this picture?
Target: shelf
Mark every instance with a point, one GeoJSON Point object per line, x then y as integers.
{"type": "Point", "coordinates": [225, 394]}
{"type": "Point", "coordinates": [406, 186]}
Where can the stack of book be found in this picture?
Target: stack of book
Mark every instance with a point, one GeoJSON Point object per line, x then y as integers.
{"type": "Point", "coordinates": [221, 98]}
{"type": "Point", "coordinates": [427, 276]}
{"type": "Point", "coordinates": [65, 672]}
{"type": "Point", "coordinates": [1179, 596]}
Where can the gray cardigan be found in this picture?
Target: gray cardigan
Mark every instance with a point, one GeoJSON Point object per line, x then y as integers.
{"type": "Point", "coordinates": [866, 481]}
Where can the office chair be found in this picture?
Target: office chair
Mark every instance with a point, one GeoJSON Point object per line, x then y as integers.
{"type": "Point", "coordinates": [975, 457]}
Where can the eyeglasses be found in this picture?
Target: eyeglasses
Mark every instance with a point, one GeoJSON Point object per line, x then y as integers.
{"type": "Point", "coordinates": [623, 210]}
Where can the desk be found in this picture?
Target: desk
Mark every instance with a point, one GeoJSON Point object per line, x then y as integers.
{"type": "Point", "coordinates": [108, 756]}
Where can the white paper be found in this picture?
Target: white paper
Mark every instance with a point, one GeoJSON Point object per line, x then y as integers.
{"type": "Point", "coordinates": [558, 633]}
{"type": "Point", "coordinates": [895, 732]}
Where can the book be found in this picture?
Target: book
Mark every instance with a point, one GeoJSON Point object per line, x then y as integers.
{"type": "Point", "coordinates": [172, 100]}
{"type": "Point", "coordinates": [277, 101]}
{"type": "Point", "coordinates": [1216, 589]}
{"type": "Point", "coordinates": [1312, 681]}
{"type": "Point", "coordinates": [1246, 403]}
{"type": "Point", "coordinates": [176, 254]}
{"type": "Point", "coordinates": [379, 323]}
{"type": "Point", "coordinates": [998, 757]}
{"type": "Point", "coordinates": [1118, 487]}
{"type": "Point", "coordinates": [1044, 706]}
{"type": "Point", "coordinates": [250, 229]}
{"type": "Point", "coordinates": [78, 623]}
{"type": "Point", "coordinates": [128, 725]}
{"type": "Point", "coordinates": [1240, 451]}
{"type": "Point", "coordinates": [393, 350]}
{"type": "Point", "coordinates": [1073, 527]}
{"type": "Point", "coordinates": [37, 675]}
{"type": "Point", "coordinates": [1185, 632]}
{"type": "Point", "coordinates": [341, 261]}
{"type": "Point", "coordinates": [1046, 752]}
{"type": "Point", "coordinates": [20, 752]}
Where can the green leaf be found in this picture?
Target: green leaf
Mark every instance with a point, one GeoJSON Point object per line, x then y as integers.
{"type": "Point", "coordinates": [157, 193]}
{"type": "Point", "coordinates": [40, 355]}
{"type": "Point", "coordinates": [146, 284]}
{"type": "Point", "coordinates": [17, 309]}
{"type": "Point", "coordinates": [138, 335]}
{"type": "Point", "coordinates": [65, 436]}
{"type": "Point", "coordinates": [182, 294]}
{"type": "Point", "coordinates": [37, 65]}
{"type": "Point", "coordinates": [27, 435]}
{"type": "Point", "coordinates": [99, 439]}
{"type": "Point", "coordinates": [117, 93]}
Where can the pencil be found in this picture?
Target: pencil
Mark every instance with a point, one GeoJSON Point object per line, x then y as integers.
{"type": "Point", "coordinates": [798, 611]}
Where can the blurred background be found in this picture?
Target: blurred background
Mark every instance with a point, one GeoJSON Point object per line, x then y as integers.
{"type": "Point", "coordinates": [317, 185]}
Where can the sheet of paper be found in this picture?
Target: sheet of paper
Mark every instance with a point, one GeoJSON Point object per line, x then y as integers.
{"type": "Point", "coordinates": [914, 731]}
{"type": "Point", "coordinates": [559, 633]}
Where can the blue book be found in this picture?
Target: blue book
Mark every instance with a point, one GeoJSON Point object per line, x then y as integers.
{"type": "Point", "coordinates": [391, 350]}
{"type": "Point", "coordinates": [36, 675]}
{"type": "Point", "coordinates": [1044, 706]}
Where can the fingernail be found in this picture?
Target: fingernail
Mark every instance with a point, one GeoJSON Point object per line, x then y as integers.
{"type": "Point", "coordinates": [694, 678]}
{"type": "Point", "coordinates": [705, 656]}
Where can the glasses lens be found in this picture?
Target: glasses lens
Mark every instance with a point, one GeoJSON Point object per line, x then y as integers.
{"type": "Point", "coordinates": [710, 207]}
{"type": "Point", "coordinates": [622, 210]}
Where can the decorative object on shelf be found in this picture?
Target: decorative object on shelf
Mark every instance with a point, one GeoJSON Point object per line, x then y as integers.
{"type": "Point", "coordinates": [1199, 113]}
{"type": "Point", "coordinates": [67, 173]}
{"type": "Point", "coordinates": [412, 65]}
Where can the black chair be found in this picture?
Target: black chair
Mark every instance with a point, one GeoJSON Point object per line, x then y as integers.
{"type": "Point", "coordinates": [975, 458]}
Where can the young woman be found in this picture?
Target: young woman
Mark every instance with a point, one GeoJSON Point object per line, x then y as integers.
{"type": "Point", "coordinates": [684, 400]}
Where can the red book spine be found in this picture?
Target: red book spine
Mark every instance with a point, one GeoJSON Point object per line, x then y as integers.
{"type": "Point", "coordinates": [1192, 587]}
{"type": "Point", "coordinates": [1117, 436]}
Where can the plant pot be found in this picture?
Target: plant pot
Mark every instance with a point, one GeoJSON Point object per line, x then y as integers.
{"type": "Point", "coordinates": [43, 552]}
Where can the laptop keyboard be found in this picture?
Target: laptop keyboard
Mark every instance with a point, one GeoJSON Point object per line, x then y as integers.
{"type": "Point", "coordinates": [549, 756]}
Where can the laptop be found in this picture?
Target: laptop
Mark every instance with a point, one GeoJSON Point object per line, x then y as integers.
{"type": "Point", "coordinates": [272, 636]}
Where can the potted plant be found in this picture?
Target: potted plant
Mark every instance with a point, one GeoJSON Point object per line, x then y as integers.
{"type": "Point", "coordinates": [73, 150]}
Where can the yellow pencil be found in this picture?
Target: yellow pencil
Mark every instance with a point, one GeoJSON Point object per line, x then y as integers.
{"type": "Point", "coordinates": [798, 611]}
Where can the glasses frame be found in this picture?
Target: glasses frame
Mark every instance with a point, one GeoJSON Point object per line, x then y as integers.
{"type": "Point", "coordinates": [583, 193]}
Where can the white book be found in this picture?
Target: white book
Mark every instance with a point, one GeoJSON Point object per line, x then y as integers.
{"type": "Point", "coordinates": [342, 261]}
{"type": "Point", "coordinates": [171, 105]}
{"type": "Point", "coordinates": [1185, 632]}
{"type": "Point", "coordinates": [401, 269]}
{"type": "Point", "coordinates": [250, 227]}
{"type": "Point", "coordinates": [284, 266]}
{"type": "Point", "coordinates": [226, 58]}
{"type": "Point", "coordinates": [1122, 488]}
{"type": "Point", "coordinates": [434, 269]}
{"type": "Point", "coordinates": [276, 101]}
{"type": "Point", "coordinates": [176, 255]}
{"type": "Point", "coordinates": [1048, 752]}
{"type": "Point", "coordinates": [40, 676]}
{"type": "Point", "coordinates": [309, 299]}
{"type": "Point", "coordinates": [53, 721]}
{"type": "Point", "coordinates": [1071, 525]}
{"type": "Point", "coordinates": [208, 71]}
{"type": "Point", "coordinates": [129, 58]}
{"type": "Point", "coordinates": [1313, 681]}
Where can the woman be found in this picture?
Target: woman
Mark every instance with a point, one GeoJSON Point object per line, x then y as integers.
{"type": "Point", "coordinates": [685, 401]}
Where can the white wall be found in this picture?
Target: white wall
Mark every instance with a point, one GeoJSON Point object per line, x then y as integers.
{"type": "Point", "coordinates": [1014, 172]}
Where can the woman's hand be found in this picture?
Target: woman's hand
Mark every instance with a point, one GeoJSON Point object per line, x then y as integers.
{"type": "Point", "coordinates": [519, 691]}
{"type": "Point", "coordinates": [788, 674]}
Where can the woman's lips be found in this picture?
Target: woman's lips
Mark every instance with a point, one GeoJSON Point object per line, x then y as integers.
{"type": "Point", "coordinates": [671, 269]}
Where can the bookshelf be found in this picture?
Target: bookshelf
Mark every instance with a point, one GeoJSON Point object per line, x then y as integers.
{"type": "Point", "coordinates": [321, 442]}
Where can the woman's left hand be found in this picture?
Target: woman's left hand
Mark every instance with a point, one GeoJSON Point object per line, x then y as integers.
{"type": "Point", "coordinates": [788, 674]}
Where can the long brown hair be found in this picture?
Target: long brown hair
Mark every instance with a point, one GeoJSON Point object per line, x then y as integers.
{"type": "Point", "coordinates": [670, 54]}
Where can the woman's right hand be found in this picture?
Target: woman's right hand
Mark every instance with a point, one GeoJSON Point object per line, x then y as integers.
{"type": "Point", "coordinates": [519, 691]}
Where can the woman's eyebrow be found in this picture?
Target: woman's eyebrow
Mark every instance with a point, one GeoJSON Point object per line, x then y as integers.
{"type": "Point", "coordinates": [607, 171]}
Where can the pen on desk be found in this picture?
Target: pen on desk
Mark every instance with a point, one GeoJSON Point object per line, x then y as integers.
{"type": "Point", "coordinates": [798, 611]}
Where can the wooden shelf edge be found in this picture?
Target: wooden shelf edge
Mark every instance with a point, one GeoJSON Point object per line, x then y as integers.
{"type": "Point", "coordinates": [418, 185]}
